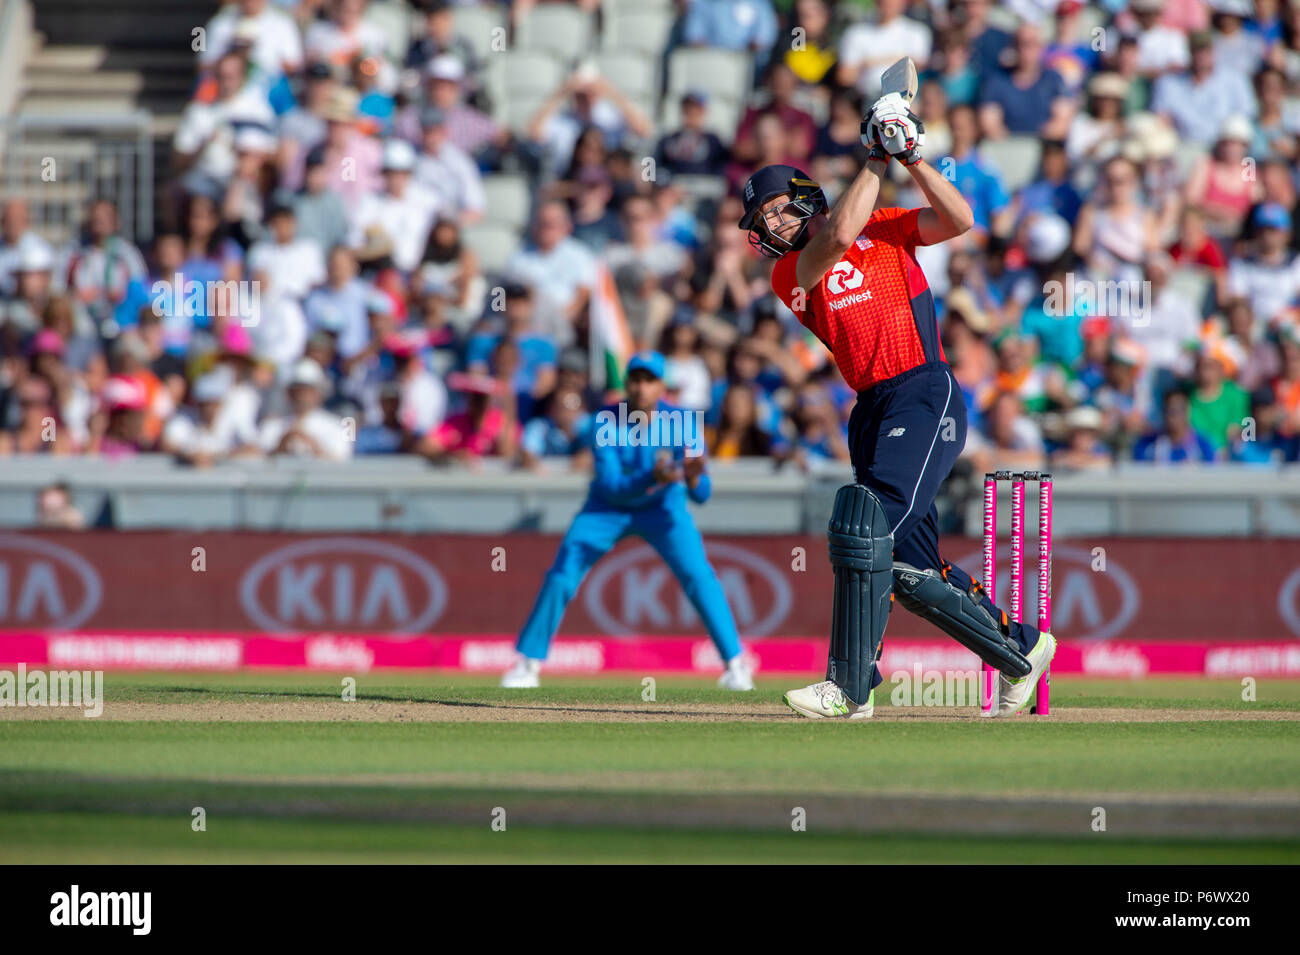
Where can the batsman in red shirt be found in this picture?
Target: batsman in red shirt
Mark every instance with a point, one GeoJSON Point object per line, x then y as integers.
{"type": "Point", "coordinates": [850, 275]}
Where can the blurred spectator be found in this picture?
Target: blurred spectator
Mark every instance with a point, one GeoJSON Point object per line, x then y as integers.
{"type": "Point", "coordinates": [339, 304]}
{"type": "Point", "coordinates": [387, 435]}
{"type": "Point", "coordinates": [344, 36]}
{"type": "Point", "coordinates": [800, 130]}
{"type": "Point", "coordinates": [487, 427]}
{"type": "Point", "coordinates": [814, 56]}
{"type": "Point", "coordinates": [740, 25]}
{"type": "Point", "coordinates": [1274, 136]}
{"type": "Point", "coordinates": [1026, 99]}
{"type": "Point", "coordinates": [737, 432]}
{"type": "Point", "coordinates": [55, 510]}
{"type": "Point", "coordinates": [686, 372]}
{"type": "Point", "coordinates": [642, 245]}
{"type": "Point", "coordinates": [104, 265]}
{"type": "Point", "coordinates": [585, 99]}
{"type": "Point", "coordinates": [1217, 187]}
{"type": "Point", "coordinates": [205, 139]}
{"type": "Point", "coordinates": [35, 430]}
{"type": "Point", "coordinates": [318, 208]}
{"type": "Point", "coordinates": [868, 48]}
{"type": "Point", "coordinates": [1278, 187]}
{"type": "Point", "coordinates": [693, 149]}
{"type": "Point", "coordinates": [16, 237]}
{"type": "Point", "coordinates": [559, 269]}
{"type": "Point", "coordinates": [402, 213]}
{"type": "Point", "coordinates": [1115, 232]}
{"type": "Point", "coordinates": [1200, 100]}
{"type": "Point", "coordinates": [1160, 48]}
{"type": "Point", "coordinates": [562, 429]}
{"type": "Point", "coordinates": [1052, 192]}
{"type": "Point", "coordinates": [1010, 439]}
{"type": "Point", "coordinates": [1218, 406]}
{"type": "Point", "coordinates": [535, 374]}
{"type": "Point", "coordinates": [1268, 276]}
{"type": "Point", "coordinates": [447, 171]}
{"type": "Point", "coordinates": [1101, 126]}
{"type": "Point", "coordinates": [1176, 441]}
{"type": "Point", "coordinates": [308, 430]}
{"type": "Point", "coordinates": [271, 38]}
{"type": "Point", "coordinates": [33, 270]}
{"type": "Point", "coordinates": [1084, 449]}
{"type": "Point", "coordinates": [449, 261]}
{"type": "Point", "coordinates": [441, 39]}
{"type": "Point", "coordinates": [303, 127]}
{"type": "Point", "coordinates": [201, 436]}
{"type": "Point", "coordinates": [118, 426]}
{"type": "Point", "coordinates": [974, 178]}
{"type": "Point", "coordinates": [467, 127]}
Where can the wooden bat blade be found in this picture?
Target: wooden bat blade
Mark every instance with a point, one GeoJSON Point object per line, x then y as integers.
{"type": "Point", "coordinates": [900, 78]}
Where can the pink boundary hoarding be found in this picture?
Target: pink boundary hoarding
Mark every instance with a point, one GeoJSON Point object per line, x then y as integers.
{"type": "Point", "coordinates": [678, 655]}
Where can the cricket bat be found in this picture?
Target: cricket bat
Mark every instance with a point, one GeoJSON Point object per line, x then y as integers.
{"type": "Point", "coordinates": [901, 79]}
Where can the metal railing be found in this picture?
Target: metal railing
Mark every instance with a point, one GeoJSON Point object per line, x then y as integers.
{"type": "Point", "coordinates": [59, 162]}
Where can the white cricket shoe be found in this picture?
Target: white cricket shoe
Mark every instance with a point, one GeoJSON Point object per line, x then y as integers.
{"type": "Point", "coordinates": [523, 675]}
{"type": "Point", "coordinates": [1013, 695]}
{"type": "Point", "coordinates": [737, 676]}
{"type": "Point", "coordinates": [825, 700]}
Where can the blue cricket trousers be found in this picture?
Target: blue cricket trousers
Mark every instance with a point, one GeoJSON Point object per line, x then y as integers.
{"type": "Point", "coordinates": [597, 528]}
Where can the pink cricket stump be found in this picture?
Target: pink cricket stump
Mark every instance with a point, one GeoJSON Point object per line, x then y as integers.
{"type": "Point", "coordinates": [1044, 691]}
{"type": "Point", "coordinates": [988, 675]}
{"type": "Point", "coordinates": [1017, 546]}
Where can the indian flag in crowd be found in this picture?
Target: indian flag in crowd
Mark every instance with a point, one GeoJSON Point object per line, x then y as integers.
{"type": "Point", "coordinates": [611, 342]}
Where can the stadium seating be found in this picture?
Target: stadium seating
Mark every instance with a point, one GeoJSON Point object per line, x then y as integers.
{"type": "Point", "coordinates": [508, 200]}
{"type": "Point", "coordinates": [1016, 159]}
{"type": "Point", "coordinates": [723, 74]}
{"type": "Point", "coordinates": [492, 242]}
{"type": "Point", "coordinates": [481, 26]}
{"type": "Point", "coordinates": [643, 29]}
{"type": "Point", "coordinates": [563, 31]}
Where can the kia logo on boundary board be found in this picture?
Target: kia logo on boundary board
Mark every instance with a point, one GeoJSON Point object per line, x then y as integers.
{"type": "Point", "coordinates": [343, 583]}
{"type": "Point", "coordinates": [44, 584]}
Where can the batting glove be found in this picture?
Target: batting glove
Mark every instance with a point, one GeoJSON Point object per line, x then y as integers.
{"type": "Point", "coordinates": [898, 129]}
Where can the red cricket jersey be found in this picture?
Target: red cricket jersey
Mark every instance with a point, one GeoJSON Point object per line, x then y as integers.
{"type": "Point", "coordinates": [873, 308]}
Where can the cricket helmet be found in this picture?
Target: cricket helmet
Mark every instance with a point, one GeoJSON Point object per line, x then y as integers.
{"type": "Point", "coordinates": [806, 200]}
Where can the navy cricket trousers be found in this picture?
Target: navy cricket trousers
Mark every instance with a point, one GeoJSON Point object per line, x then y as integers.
{"type": "Point", "coordinates": [905, 434]}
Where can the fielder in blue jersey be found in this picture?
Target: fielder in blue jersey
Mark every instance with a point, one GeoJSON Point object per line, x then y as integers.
{"type": "Point", "coordinates": [649, 461]}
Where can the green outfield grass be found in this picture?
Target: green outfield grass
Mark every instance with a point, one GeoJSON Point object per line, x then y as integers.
{"type": "Point", "coordinates": [92, 839]}
{"type": "Point", "coordinates": [401, 685]}
{"type": "Point", "coordinates": [721, 785]}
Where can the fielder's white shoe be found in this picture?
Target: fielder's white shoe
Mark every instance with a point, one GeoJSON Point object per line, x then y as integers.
{"type": "Point", "coordinates": [737, 676]}
{"type": "Point", "coordinates": [826, 701]}
{"type": "Point", "coordinates": [1013, 695]}
{"type": "Point", "coordinates": [523, 675]}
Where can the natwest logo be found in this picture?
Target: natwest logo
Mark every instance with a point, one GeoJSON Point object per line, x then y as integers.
{"type": "Point", "coordinates": [343, 584]}
{"type": "Point", "coordinates": [46, 585]}
{"type": "Point", "coordinates": [635, 593]}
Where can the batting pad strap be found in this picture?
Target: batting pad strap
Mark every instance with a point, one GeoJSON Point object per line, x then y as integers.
{"type": "Point", "coordinates": [958, 614]}
{"type": "Point", "coordinates": [857, 553]}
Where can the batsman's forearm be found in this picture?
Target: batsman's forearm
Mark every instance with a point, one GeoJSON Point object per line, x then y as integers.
{"type": "Point", "coordinates": [943, 197]}
{"type": "Point", "coordinates": [850, 214]}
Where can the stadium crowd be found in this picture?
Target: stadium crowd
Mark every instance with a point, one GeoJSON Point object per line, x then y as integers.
{"type": "Point", "coordinates": [1129, 291]}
